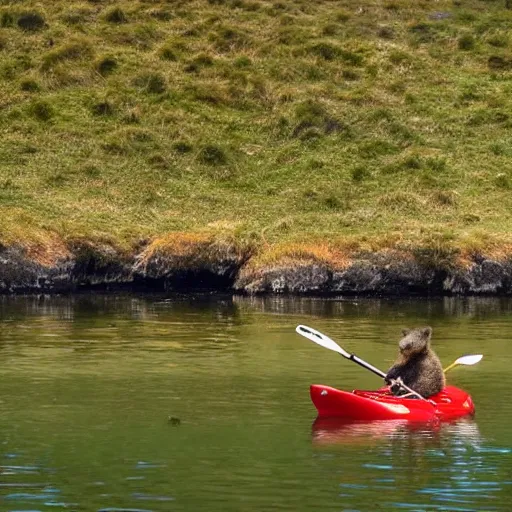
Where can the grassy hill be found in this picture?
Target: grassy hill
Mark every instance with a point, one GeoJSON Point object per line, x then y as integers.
{"type": "Point", "coordinates": [293, 127]}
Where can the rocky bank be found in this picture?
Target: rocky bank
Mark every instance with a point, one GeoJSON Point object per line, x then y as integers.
{"type": "Point", "coordinates": [103, 267]}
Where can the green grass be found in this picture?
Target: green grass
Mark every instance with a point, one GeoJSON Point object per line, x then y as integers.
{"type": "Point", "coordinates": [283, 122]}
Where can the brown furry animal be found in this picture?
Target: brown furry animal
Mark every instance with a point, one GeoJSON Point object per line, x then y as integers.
{"type": "Point", "coordinates": [418, 366]}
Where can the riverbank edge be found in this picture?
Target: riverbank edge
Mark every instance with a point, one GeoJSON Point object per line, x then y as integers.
{"type": "Point", "coordinates": [211, 266]}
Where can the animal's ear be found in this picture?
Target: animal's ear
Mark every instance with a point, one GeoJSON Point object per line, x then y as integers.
{"type": "Point", "coordinates": [427, 332]}
{"type": "Point", "coordinates": [405, 332]}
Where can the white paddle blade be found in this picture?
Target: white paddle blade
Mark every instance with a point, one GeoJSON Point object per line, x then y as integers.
{"type": "Point", "coordinates": [320, 339]}
{"type": "Point", "coordinates": [469, 360]}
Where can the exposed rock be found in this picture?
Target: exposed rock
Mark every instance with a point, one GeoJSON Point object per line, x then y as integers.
{"type": "Point", "coordinates": [386, 274]}
{"type": "Point", "coordinates": [19, 273]}
{"type": "Point", "coordinates": [184, 264]}
{"type": "Point", "coordinates": [287, 279]}
{"type": "Point", "coordinates": [99, 264]}
{"type": "Point", "coordinates": [484, 277]}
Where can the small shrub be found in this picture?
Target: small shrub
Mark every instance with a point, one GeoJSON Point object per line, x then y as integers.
{"type": "Point", "coordinates": [375, 148]}
{"type": "Point", "coordinates": [203, 60]}
{"type": "Point", "coordinates": [398, 87]}
{"type": "Point", "coordinates": [487, 116]}
{"type": "Point", "coordinates": [152, 83]}
{"type": "Point", "coordinates": [6, 19]}
{"type": "Point", "coordinates": [31, 21]}
{"type": "Point", "coordinates": [161, 14]}
{"type": "Point", "coordinates": [316, 164]}
{"type": "Point", "coordinates": [91, 171]}
{"type": "Point", "coordinates": [312, 117]}
{"type": "Point", "coordinates": [498, 41]}
{"type": "Point", "coordinates": [496, 62]}
{"type": "Point", "coordinates": [413, 162]}
{"type": "Point", "coordinates": [251, 6]}
{"type": "Point", "coordinates": [72, 51]}
{"type": "Point", "coordinates": [158, 161]}
{"type": "Point", "coordinates": [77, 15]}
{"type": "Point", "coordinates": [342, 16]}
{"type": "Point", "coordinates": [106, 65]}
{"type": "Point", "coordinates": [310, 111]}
{"type": "Point", "coordinates": [116, 15]}
{"type": "Point", "coordinates": [471, 218]}
{"type": "Point", "coordinates": [359, 173]}
{"type": "Point", "coordinates": [19, 63]}
{"type": "Point", "coordinates": [498, 149]}
{"type": "Point", "coordinates": [242, 62]}
{"type": "Point", "coordinates": [350, 75]}
{"type": "Point", "coordinates": [103, 108]}
{"type": "Point", "coordinates": [386, 33]}
{"type": "Point", "coordinates": [436, 164]}
{"type": "Point", "coordinates": [29, 85]}
{"type": "Point", "coordinates": [352, 58]}
{"type": "Point", "coordinates": [326, 51]}
{"type": "Point", "coordinates": [502, 181]}
{"type": "Point", "coordinates": [132, 116]}
{"type": "Point", "coordinates": [424, 32]}
{"type": "Point", "coordinates": [445, 197]}
{"type": "Point", "coordinates": [401, 132]}
{"type": "Point", "coordinates": [137, 135]}
{"type": "Point", "coordinates": [292, 36]}
{"type": "Point", "coordinates": [114, 147]}
{"type": "Point", "coordinates": [167, 53]}
{"type": "Point", "coordinates": [208, 93]}
{"type": "Point", "coordinates": [212, 155]}
{"type": "Point", "coordinates": [466, 42]}
{"type": "Point", "coordinates": [331, 29]}
{"type": "Point", "coordinates": [310, 133]}
{"type": "Point", "coordinates": [182, 147]}
{"type": "Point", "coordinates": [333, 202]}
{"type": "Point", "coordinates": [42, 110]}
{"type": "Point", "coordinates": [314, 73]}
{"type": "Point", "coordinates": [228, 39]}
{"type": "Point", "coordinates": [399, 57]}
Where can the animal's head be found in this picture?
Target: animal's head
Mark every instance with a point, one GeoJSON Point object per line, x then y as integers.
{"type": "Point", "coordinates": [415, 340]}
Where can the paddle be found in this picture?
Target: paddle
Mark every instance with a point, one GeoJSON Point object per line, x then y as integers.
{"type": "Point", "coordinates": [326, 342]}
{"type": "Point", "coordinates": [465, 361]}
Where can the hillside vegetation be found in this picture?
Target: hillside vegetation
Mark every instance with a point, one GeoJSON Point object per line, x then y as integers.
{"type": "Point", "coordinates": [295, 128]}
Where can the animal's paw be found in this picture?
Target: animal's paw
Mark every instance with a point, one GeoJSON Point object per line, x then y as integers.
{"type": "Point", "coordinates": [396, 385]}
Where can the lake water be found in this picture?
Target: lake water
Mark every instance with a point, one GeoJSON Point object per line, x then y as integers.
{"type": "Point", "coordinates": [92, 388]}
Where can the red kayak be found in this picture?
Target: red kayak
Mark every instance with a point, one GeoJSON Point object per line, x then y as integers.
{"type": "Point", "coordinates": [449, 404]}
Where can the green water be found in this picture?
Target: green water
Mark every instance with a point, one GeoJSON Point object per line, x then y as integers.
{"type": "Point", "coordinates": [88, 385]}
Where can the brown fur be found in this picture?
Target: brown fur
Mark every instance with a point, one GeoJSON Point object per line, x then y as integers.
{"type": "Point", "coordinates": [418, 365]}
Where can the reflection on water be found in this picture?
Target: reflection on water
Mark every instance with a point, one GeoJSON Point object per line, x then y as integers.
{"type": "Point", "coordinates": [89, 384]}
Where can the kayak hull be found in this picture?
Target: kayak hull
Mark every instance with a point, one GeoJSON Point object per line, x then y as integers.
{"type": "Point", "coordinates": [330, 402]}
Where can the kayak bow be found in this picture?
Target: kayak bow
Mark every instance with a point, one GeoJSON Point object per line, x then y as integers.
{"type": "Point", "coordinates": [450, 403]}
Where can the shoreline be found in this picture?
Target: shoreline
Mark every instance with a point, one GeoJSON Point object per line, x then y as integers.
{"type": "Point", "coordinates": [383, 273]}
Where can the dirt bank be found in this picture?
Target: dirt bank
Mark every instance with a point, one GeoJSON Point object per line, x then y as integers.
{"type": "Point", "coordinates": [192, 263]}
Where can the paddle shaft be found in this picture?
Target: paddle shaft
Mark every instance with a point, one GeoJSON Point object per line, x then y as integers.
{"type": "Point", "coordinates": [450, 367]}
{"type": "Point", "coordinates": [366, 365]}
{"type": "Point", "coordinates": [380, 373]}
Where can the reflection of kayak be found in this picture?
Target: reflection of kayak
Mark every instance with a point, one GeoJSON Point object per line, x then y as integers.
{"type": "Point", "coordinates": [333, 431]}
{"type": "Point", "coordinates": [450, 403]}
{"type": "Point", "coordinates": [329, 431]}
